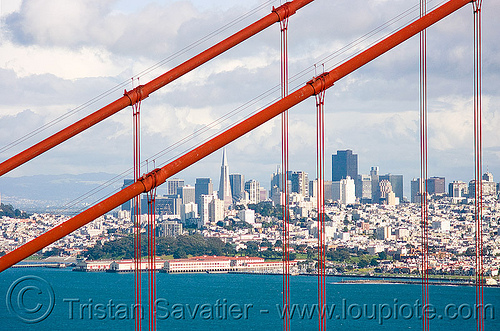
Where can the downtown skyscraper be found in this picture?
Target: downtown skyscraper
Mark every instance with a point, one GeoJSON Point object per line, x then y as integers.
{"type": "Point", "coordinates": [237, 186]}
{"type": "Point", "coordinates": [224, 183]}
{"type": "Point", "coordinates": [344, 164]}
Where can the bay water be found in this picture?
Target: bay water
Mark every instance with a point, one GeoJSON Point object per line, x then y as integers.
{"type": "Point", "coordinates": [61, 299]}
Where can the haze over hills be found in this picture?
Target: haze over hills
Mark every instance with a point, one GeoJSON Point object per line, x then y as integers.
{"type": "Point", "coordinates": [44, 193]}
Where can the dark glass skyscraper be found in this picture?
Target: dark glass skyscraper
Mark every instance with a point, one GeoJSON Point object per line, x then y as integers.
{"type": "Point", "coordinates": [344, 164]}
{"type": "Point", "coordinates": [202, 186]}
{"type": "Point", "coordinates": [436, 185]}
{"type": "Point", "coordinates": [237, 186]}
{"type": "Point", "coordinates": [127, 205]}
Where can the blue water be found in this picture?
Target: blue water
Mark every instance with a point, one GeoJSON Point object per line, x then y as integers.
{"type": "Point", "coordinates": [102, 301]}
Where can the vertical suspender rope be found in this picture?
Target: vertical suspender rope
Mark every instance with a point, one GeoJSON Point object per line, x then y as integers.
{"type": "Point", "coordinates": [423, 173]}
{"type": "Point", "coordinates": [478, 164]}
{"type": "Point", "coordinates": [136, 108]}
{"type": "Point", "coordinates": [151, 195]}
{"type": "Point", "coordinates": [320, 169]}
{"type": "Point", "coordinates": [284, 174]}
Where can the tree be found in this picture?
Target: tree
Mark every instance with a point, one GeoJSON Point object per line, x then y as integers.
{"type": "Point", "coordinates": [53, 252]}
{"type": "Point", "coordinates": [470, 252]}
{"type": "Point", "coordinates": [382, 255]}
{"type": "Point", "coordinates": [266, 209]}
{"type": "Point", "coordinates": [229, 250]}
{"type": "Point", "coordinates": [362, 264]}
{"type": "Point", "coordinates": [252, 247]}
{"type": "Point", "coordinates": [265, 243]}
{"type": "Point", "coordinates": [339, 254]}
{"type": "Point", "coordinates": [180, 254]}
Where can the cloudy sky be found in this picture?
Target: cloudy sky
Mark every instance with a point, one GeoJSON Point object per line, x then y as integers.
{"type": "Point", "coordinates": [58, 55]}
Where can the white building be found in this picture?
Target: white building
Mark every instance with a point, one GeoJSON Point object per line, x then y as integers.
{"type": "Point", "coordinates": [344, 191]}
{"type": "Point", "coordinates": [205, 201]}
{"type": "Point", "coordinates": [253, 188]}
{"type": "Point", "coordinates": [129, 265]}
{"type": "Point", "coordinates": [441, 225]}
{"type": "Point", "coordinates": [372, 250]}
{"type": "Point", "coordinates": [170, 229]}
{"type": "Point", "coordinates": [210, 264]}
{"type": "Point", "coordinates": [247, 215]}
{"type": "Point", "coordinates": [92, 265]}
{"type": "Point", "coordinates": [384, 233]}
{"type": "Point", "coordinates": [189, 211]}
{"type": "Point", "coordinates": [216, 210]}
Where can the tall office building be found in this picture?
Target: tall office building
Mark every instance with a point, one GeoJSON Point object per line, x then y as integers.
{"type": "Point", "coordinates": [458, 189]}
{"type": "Point", "coordinates": [173, 184]}
{"type": "Point", "coordinates": [488, 176]}
{"type": "Point", "coordinates": [127, 205]}
{"type": "Point", "coordinates": [253, 188]}
{"type": "Point", "coordinates": [202, 186]}
{"type": "Point", "coordinates": [187, 194]}
{"type": "Point", "coordinates": [237, 182]}
{"type": "Point", "coordinates": [313, 188]}
{"type": "Point", "coordinates": [168, 205]}
{"type": "Point", "coordinates": [385, 188]}
{"type": "Point", "coordinates": [374, 175]}
{"type": "Point", "coordinates": [344, 164]}
{"type": "Point", "coordinates": [364, 188]}
{"type": "Point", "coordinates": [396, 183]}
{"type": "Point", "coordinates": [488, 188]}
{"type": "Point", "coordinates": [344, 191]}
{"type": "Point", "coordinates": [204, 207]}
{"type": "Point", "coordinates": [416, 190]}
{"type": "Point", "coordinates": [224, 184]}
{"type": "Point", "coordinates": [436, 185]}
{"type": "Point", "coordinates": [188, 211]}
{"type": "Point", "coordinates": [277, 181]}
{"type": "Point", "coordinates": [169, 229]}
{"type": "Point", "coordinates": [328, 190]}
{"type": "Point", "coordinates": [216, 210]}
{"type": "Point", "coordinates": [262, 194]}
{"type": "Point", "coordinates": [300, 183]}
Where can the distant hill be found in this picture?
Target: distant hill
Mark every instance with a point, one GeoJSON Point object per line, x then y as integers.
{"type": "Point", "coordinates": [42, 193]}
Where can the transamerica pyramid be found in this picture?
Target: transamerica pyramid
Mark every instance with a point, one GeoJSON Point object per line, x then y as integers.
{"type": "Point", "coordinates": [224, 184]}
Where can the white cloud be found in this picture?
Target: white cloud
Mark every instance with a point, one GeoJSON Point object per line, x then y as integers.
{"type": "Point", "coordinates": [68, 64]}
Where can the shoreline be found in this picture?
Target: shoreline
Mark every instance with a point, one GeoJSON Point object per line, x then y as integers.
{"type": "Point", "coordinates": [343, 278]}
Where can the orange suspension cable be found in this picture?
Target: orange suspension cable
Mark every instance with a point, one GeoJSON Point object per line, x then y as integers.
{"type": "Point", "coordinates": [136, 108]}
{"type": "Point", "coordinates": [424, 212]}
{"type": "Point", "coordinates": [478, 164]}
{"type": "Point", "coordinates": [320, 169]}
{"type": "Point", "coordinates": [284, 174]}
